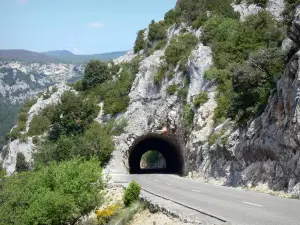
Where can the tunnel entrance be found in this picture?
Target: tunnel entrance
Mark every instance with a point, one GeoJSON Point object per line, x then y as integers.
{"type": "Point", "coordinates": [164, 145]}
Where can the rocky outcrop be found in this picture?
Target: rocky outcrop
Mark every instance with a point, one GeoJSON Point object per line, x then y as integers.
{"type": "Point", "coordinates": [267, 150]}
{"type": "Point", "coordinates": [151, 106]}
{"type": "Point", "coordinates": [13, 148]}
{"type": "Point", "coordinates": [274, 7]}
{"type": "Point", "coordinates": [20, 81]}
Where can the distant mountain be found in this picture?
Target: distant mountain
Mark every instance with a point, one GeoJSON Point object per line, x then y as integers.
{"type": "Point", "coordinates": [62, 56]}
{"type": "Point", "coordinates": [69, 57]}
{"type": "Point", "coordinates": [25, 56]}
{"type": "Point", "coordinates": [59, 53]}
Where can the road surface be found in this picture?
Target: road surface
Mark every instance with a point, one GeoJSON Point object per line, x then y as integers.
{"type": "Point", "coordinates": [238, 206]}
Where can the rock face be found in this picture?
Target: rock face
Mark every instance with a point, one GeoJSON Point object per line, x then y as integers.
{"type": "Point", "coordinates": [152, 108]}
{"type": "Point", "coordinates": [275, 7]}
{"type": "Point", "coordinates": [20, 81]}
{"type": "Point", "coordinates": [267, 150]}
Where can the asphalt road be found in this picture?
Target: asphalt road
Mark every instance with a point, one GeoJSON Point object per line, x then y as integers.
{"type": "Point", "coordinates": [238, 206]}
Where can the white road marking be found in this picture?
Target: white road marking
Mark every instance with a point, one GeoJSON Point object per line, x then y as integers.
{"type": "Point", "coordinates": [249, 203]}
{"type": "Point", "coordinates": [156, 180]}
{"type": "Point", "coordinates": [197, 191]}
{"type": "Point", "coordinates": [168, 184]}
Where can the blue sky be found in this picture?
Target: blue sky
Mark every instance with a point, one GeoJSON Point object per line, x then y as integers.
{"type": "Point", "coordinates": [81, 26]}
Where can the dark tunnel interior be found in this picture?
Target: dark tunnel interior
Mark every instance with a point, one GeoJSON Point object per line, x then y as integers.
{"type": "Point", "coordinates": [164, 144]}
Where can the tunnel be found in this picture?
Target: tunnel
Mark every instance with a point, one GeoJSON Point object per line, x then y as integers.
{"type": "Point", "coordinates": [165, 145]}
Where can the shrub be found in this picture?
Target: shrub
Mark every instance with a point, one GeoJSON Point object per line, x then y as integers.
{"type": "Point", "coordinates": [180, 48]}
{"type": "Point", "coordinates": [200, 99]}
{"type": "Point", "coordinates": [131, 193]}
{"type": "Point", "coordinates": [2, 172]}
{"type": "Point", "coordinates": [96, 72]}
{"type": "Point", "coordinates": [157, 31]}
{"type": "Point", "coordinates": [39, 125]}
{"type": "Point", "coordinates": [21, 164]}
{"type": "Point", "coordinates": [78, 86]}
{"type": "Point", "coordinates": [188, 116]}
{"type": "Point", "coordinates": [140, 42]}
{"type": "Point", "coordinates": [100, 141]}
{"type": "Point", "coordinates": [161, 73]}
{"type": "Point", "coordinates": [172, 89]}
{"type": "Point", "coordinates": [243, 51]}
{"type": "Point", "coordinates": [172, 16]}
{"type": "Point", "coordinates": [213, 138]}
{"type": "Point", "coordinates": [58, 194]}
{"type": "Point", "coordinates": [104, 215]}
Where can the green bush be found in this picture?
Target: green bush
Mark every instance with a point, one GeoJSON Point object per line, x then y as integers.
{"type": "Point", "coordinates": [131, 193]}
{"type": "Point", "coordinates": [161, 73]}
{"type": "Point", "coordinates": [180, 48]}
{"type": "Point", "coordinates": [200, 99]}
{"type": "Point", "coordinates": [172, 17]}
{"type": "Point", "coordinates": [140, 42]}
{"type": "Point", "coordinates": [95, 142]}
{"type": "Point", "coordinates": [213, 138]}
{"type": "Point", "coordinates": [172, 89]}
{"type": "Point", "coordinates": [188, 116]}
{"type": "Point", "coordinates": [96, 72]}
{"type": "Point", "coordinates": [100, 142]}
{"type": "Point", "coordinates": [157, 31]}
{"type": "Point", "coordinates": [58, 194]}
{"type": "Point", "coordinates": [247, 63]}
{"type": "Point", "coordinates": [39, 125]}
{"type": "Point", "coordinates": [21, 164]}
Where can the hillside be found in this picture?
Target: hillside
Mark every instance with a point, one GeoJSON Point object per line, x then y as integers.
{"type": "Point", "coordinates": [67, 56]}
{"type": "Point", "coordinates": [25, 56]}
{"type": "Point", "coordinates": [213, 87]}
{"type": "Point", "coordinates": [55, 56]}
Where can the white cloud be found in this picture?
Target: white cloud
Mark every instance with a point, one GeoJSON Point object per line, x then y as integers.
{"type": "Point", "coordinates": [95, 25]}
{"type": "Point", "coordinates": [22, 1]}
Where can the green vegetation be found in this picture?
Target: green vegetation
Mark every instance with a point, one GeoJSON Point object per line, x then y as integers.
{"type": "Point", "coordinates": [21, 164]}
{"type": "Point", "coordinates": [247, 63]}
{"type": "Point", "coordinates": [213, 138]}
{"type": "Point", "coordinates": [140, 42]}
{"type": "Point", "coordinates": [157, 31]}
{"type": "Point", "coordinates": [126, 215]}
{"type": "Point", "coordinates": [114, 93]}
{"type": "Point", "coordinates": [21, 121]}
{"type": "Point", "coordinates": [188, 116]}
{"type": "Point", "coordinates": [172, 89]}
{"type": "Point", "coordinates": [151, 157]}
{"type": "Point", "coordinates": [179, 49]}
{"type": "Point", "coordinates": [39, 125]}
{"type": "Point", "coordinates": [96, 72]}
{"type": "Point", "coordinates": [58, 194]}
{"type": "Point", "coordinates": [131, 193]}
{"type": "Point", "coordinates": [200, 99]}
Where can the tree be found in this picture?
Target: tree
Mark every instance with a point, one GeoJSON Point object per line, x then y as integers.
{"type": "Point", "coordinates": [100, 141]}
{"type": "Point", "coordinates": [21, 164]}
{"type": "Point", "coordinates": [56, 195]}
{"type": "Point", "coordinates": [96, 72]}
{"type": "Point", "coordinates": [39, 125]}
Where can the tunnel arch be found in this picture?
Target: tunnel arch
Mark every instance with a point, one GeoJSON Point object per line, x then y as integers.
{"type": "Point", "coordinates": [164, 144]}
